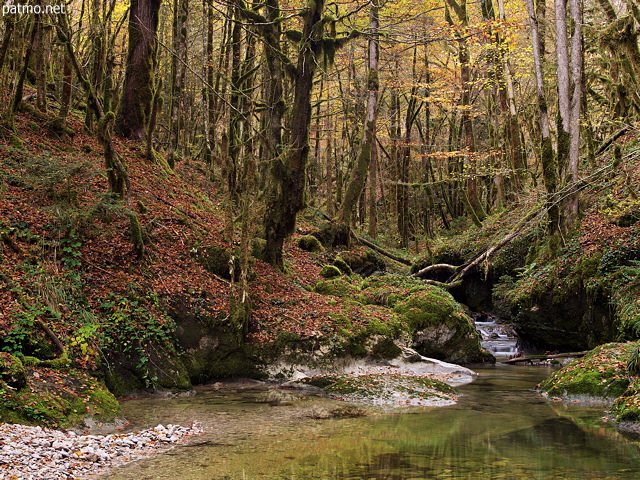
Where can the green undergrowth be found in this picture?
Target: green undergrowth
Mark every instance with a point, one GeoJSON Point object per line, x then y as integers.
{"type": "Point", "coordinates": [94, 331]}
{"type": "Point", "coordinates": [384, 389]}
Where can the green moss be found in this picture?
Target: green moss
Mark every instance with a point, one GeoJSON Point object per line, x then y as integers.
{"type": "Point", "coordinates": [338, 287]}
{"type": "Point", "coordinates": [365, 263]}
{"type": "Point", "coordinates": [601, 373]}
{"type": "Point", "coordinates": [385, 349]}
{"type": "Point", "coordinates": [257, 248]}
{"type": "Point", "coordinates": [12, 371]}
{"type": "Point", "coordinates": [28, 361]}
{"type": "Point", "coordinates": [343, 266]}
{"type": "Point", "coordinates": [330, 271]}
{"type": "Point", "coordinates": [429, 307]}
{"type": "Point", "coordinates": [58, 400]}
{"type": "Point", "coordinates": [380, 389]}
{"type": "Point", "coordinates": [310, 243]}
{"type": "Point", "coordinates": [16, 142]}
{"type": "Point", "coordinates": [56, 363]}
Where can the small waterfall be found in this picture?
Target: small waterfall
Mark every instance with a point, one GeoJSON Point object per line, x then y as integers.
{"type": "Point", "coordinates": [497, 338]}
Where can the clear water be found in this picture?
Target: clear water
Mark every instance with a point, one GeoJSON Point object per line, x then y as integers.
{"type": "Point", "coordinates": [499, 430]}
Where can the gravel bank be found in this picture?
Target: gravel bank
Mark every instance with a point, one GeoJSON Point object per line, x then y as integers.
{"type": "Point", "coordinates": [36, 453]}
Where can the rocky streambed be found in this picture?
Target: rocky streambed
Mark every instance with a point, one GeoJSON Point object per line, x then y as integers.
{"type": "Point", "coordinates": [36, 453]}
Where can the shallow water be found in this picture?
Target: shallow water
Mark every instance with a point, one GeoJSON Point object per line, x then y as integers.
{"type": "Point", "coordinates": [499, 430]}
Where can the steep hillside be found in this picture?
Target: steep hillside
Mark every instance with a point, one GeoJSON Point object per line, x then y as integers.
{"type": "Point", "coordinates": [138, 291]}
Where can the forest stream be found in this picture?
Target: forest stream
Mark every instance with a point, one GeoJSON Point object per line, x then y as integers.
{"type": "Point", "coordinates": [500, 429]}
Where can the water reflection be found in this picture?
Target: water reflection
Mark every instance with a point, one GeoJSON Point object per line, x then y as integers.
{"type": "Point", "coordinates": [499, 430]}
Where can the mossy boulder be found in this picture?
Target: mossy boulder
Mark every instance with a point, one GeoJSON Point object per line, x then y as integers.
{"type": "Point", "coordinates": [363, 263]}
{"type": "Point", "coordinates": [309, 243]}
{"type": "Point", "coordinates": [12, 372]}
{"type": "Point", "coordinates": [626, 408]}
{"type": "Point", "coordinates": [333, 234]}
{"type": "Point", "coordinates": [159, 370]}
{"type": "Point", "coordinates": [57, 398]}
{"type": "Point", "coordinates": [440, 328]}
{"type": "Point", "coordinates": [208, 345]}
{"type": "Point", "coordinates": [344, 287]}
{"type": "Point", "coordinates": [385, 349]}
{"type": "Point", "coordinates": [600, 374]}
{"type": "Point", "coordinates": [330, 271]}
{"type": "Point", "coordinates": [342, 265]}
{"type": "Point", "coordinates": [387, 290]}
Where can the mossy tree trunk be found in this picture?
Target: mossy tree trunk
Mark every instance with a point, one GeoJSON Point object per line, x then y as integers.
{"type": "Point", "coordinates": [368, 146]}
{"type": "Point", "coordinates": [287, 193]}
{"type": "Point", "coordinates": [115, 166]}
{"type": "Point", "coordinates": [569, 68]}
{"type": "Point", "coordinates": [40, 59]}
{"type": "Point", "coordinates": [9, 26]}
{"type": "Point", "coordinates": [137, 95]}
{"type": "Point", "coordinates": [547, 154]}
{"type": "Point", "coordinates": [179, 61]}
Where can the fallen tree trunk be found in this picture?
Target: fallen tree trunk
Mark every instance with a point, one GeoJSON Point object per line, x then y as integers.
{"type": "Point", "coordinates": [373, 246]}
{"type": "Point", "coordinates": [537, 358]}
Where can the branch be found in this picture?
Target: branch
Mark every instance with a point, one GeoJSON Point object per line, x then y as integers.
{"type": "Point", "coordinates": [437, 266]}
{"type": "Point", "coordinates": [615, 136]}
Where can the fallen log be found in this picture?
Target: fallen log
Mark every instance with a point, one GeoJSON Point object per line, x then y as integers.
{"type": "Point", "coordinates": [537, 358]}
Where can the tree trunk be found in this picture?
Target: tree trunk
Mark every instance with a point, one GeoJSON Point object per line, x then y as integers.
{"type": "Point", "coordinates": [137, 94]}
{"type": "Point", "coordinates": [39, 60]}
{"type": "Point", "coordinates": [286, 197]}
{"type": "Point", "coordinates": [115, 166]}
{"type": "Point", "coordinates": [548, 160]}
{"type": "Point", "coordinates": [575, 7]}
{"type": "Point", "coordinates": [9, 24]}
{"type": "Point", "coordinates": [368, 146]}
{"type": "Point", "coordinates": [472, 200]}
{"type": "Point", "coordinates": [178, 74]}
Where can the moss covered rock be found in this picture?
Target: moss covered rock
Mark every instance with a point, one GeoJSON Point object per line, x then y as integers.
{"type": "Point", "coordinates": [384, 389]}
{"type": "Point", "coordinates": [364, 263]}
{"type": "Point", "coordinates": [626, 408]}
{"type": "Point", "coordinates": [12, 372]}
{"type": "Point", "coordinates": [600, 374]}
{"type": "Point", "coordinates": [330, 271]}
{"type": "Point", "coordinates": [342, 265]}
{"type": "Point", "coordinates": [387, 290]}
{"type": "Point", "coordinates": [440, 328]}
{"type": "Point", "coordinates": [57, 398]}
{"type": "Point", "coordinates": [309, 243]}
{"type": "Point", "coordinates": [338, 287]}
